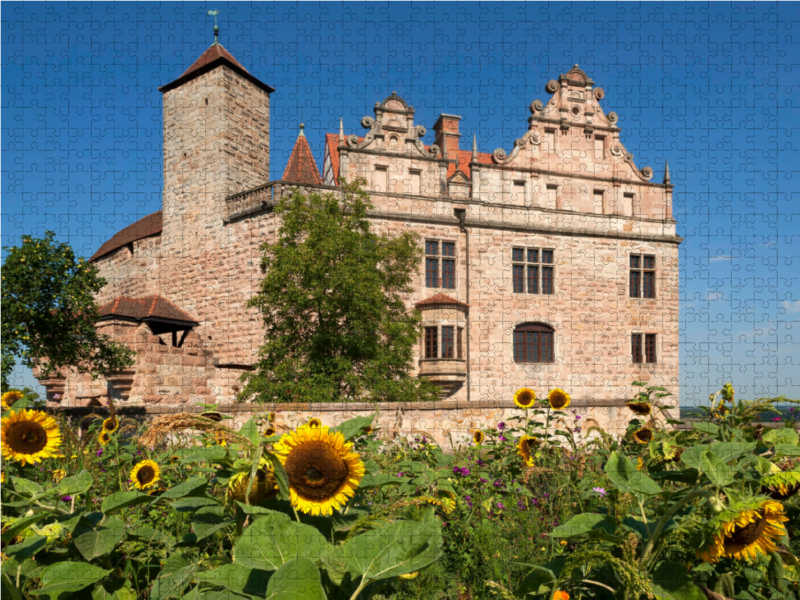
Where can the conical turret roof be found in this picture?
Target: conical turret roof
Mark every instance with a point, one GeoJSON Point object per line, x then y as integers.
{"type": "Point", "coordinates": [302, 168]}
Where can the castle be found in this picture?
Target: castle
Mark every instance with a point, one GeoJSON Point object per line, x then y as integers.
{"type": "Point", "coordinates": [554, 264]}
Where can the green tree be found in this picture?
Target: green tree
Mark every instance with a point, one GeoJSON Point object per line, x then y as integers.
{"type": "Point", "coordinates": [49, 312]}
{"type": "Point", "coordinates": [336, 326]}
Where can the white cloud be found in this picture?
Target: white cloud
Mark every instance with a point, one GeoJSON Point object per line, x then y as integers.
{"type": "Point", "coordinates": [791, 306]}
{"type": "Point", "coordinates": [711, 296]}
{"type": "Point", "coordinates": [720, 257]}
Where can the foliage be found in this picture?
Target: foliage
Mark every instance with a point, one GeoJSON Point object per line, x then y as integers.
{"type": "Point", "coordinates": [49, 312]}
{"type": "Point", "coordinates": [336, 325]}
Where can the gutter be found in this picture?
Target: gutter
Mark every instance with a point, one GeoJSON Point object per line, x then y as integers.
{"type": "Point", "coordinates": [461, 215]}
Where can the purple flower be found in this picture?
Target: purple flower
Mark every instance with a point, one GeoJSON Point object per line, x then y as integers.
{"type": "Point", "coordinates": [577, 417]}
{"type": "Point", "coordinates": [465, 471]}
{"type": "Point", "coordinates": [501, 506]}
{"type": "Point", "coordinates": [483, 480]}
{"type": "Point", "coordinates": [469, 500]}
{"type": "Point", "coordinates": [501, 425]}
{"type": "Point", "coordinates": [102, 470]}
{"type": "Point", "coordinates": [401, 473]}
{"type": "Point", "coordinates": [100, 453]}
{"type": "Point", "coordinates": [66, 498]}
{"type": "Point", "coordinates": [775, 419]}
{"type": "Point", "coordinates": [577, 430]}
{"type": "Point", "coordinates": [480, 462]}
{"type": "Point", "coordinates": [42, 469]}
{"type": "Point", "coordinates": [546, 495]}
{"type": "Point", "coordinates": [600, 491]}
{"type": "Point", "coordinates": [56, 396]}
{"type": "Point", "coordinates": [521, 504]}
{"type": "Point", "coordinates": [456, 470]}
{"type": "Point", "coordinates": [502, 438]}
{"type": "Point", "coordinates": [498, 483]}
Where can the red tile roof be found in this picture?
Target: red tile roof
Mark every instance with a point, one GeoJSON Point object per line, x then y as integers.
{"type": "Point", "coordinates": [215, 56]}
{"type": "Point", "coordinates": [440, 299]}
{"type": "Point", "coordinates": [302, 168]}
{"type": "Point", "coordinates": [144, 227]}
{"type": "Point", "coordinates": [142, 309]}
{"type": "Point", "coordinates": [464, 158]}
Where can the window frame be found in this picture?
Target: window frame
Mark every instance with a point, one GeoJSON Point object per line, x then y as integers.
{"type": "Point", "coordinates": [439, 275]}
{"type": "Point", "coordinates": [638, 276]}
{"type": "Point", "coordinates": [525, 346]}
{"type": "Point", "coordinates": [521, 270]}
{"type": "Point", "coordinates": [644, 347]}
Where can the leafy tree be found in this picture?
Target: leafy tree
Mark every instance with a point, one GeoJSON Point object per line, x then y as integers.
{"type": "Point", "coordinates": [337, 328]}
{"type": "Point", "coordinates": [49, 312]}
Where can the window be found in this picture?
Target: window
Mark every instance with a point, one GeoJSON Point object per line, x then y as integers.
{"type": "Point", "coordinates": [451, 346]}
{"type": "Point", "coordinates": [440, 268]}
{"type": "Point", "coordinates": [381, 183]}
{"type": "Point", "coordinates": [533, 343]}
{"type": "Point", "coordinates": [529, 273]}
{"type": "Point", "coordinates": [599, 203]}
{"type": "Point", "coordinates": [649, 354]}
{"type": "Point", "coordinates": [643, 276]}
{"type": "Point", "coordinates": [431, 343]}
{"type": "Point", "coordinates": [598, 147]}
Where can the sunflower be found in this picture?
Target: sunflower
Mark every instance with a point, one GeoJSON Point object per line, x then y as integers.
{"type": "Point", "coordinates": [104, 438]}
{"type": "Point", "coordinates": [560, 595]}
{"type": "Point", "coordinates": [212, 415]}
{"type": "Point", "coordinates": [367, 430]}
{"type": "Point", "coordinates": [323, 471]}
{"type": "Point", "coordinates": [478, 436]}
{"type": "Point", "coordinates": [728, 392]}
{"type": "Point", "coordinates": [640, 408]}
{"type": "Point", "coordinates": [9, 398]}
{"type": "Point", "coordinates": [314, 422]}
{"type": "Point", "coordinates": [110, 425]}
{"type": "Point", "coordinates": [558, 399]}
{"type": "Point", "coordinates": [643, 435]}
{"type": "Point", "coordinates": [59, 474]}
{"type": "Point", "coordinates": [2, 477]}
{"type": "Point", "coordinates": [639, 464]}
{"type": "Point", "coordinates": [746, 530]}
{"type": "Point", "coordinates": [781, 485]}
{"type": "Point", "coordinates": [145, 474]}
{"type": "Point", "coordinates": [526, 446]}
{"type": "Point", "coordinates": [221, 439]}
{"type": "Point", "coordinates": [269, 431]}
{"type": "Point", "coordinates": [524, 397]}
{"type": "Point", "coordinates": [29, 436]}
{"type": "Point", "coordinates": [271, 416]}
{"type": "Point", "coordinates": [264, 487]}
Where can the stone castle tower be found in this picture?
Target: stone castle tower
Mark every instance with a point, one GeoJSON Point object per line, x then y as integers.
{"type": "Point", "coordinates": [554, 264]}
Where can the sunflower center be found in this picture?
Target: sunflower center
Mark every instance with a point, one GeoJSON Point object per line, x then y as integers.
{"type": "Point", "coordinates": [110, 425]}
{"type": "Point", "coordinates": [27, 437]}
{"type": "Point", "coordinates": [744, 536]}
{"type": "Point", "coordinates": [645, 435]}
{"type": "Point", "coordinates": [558, 400]}
{"type": "Point", "coordinates": [525, 397]}
{"type": "Point", "coordinates": [145, 474]}
{"type": "Point", "coordinates": [316, 471]}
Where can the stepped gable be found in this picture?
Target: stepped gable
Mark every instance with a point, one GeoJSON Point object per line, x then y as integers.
{"type": "Point", "coordinates": [144, 227]}
{"type": "Point", "coordinates": [302, 168]}
{"type": "Point", "coordinates": [215, 56]}
{"type": "Point", "coordinates": [145, 309]}
{"type": "Point", "coordinates": [441, 300]}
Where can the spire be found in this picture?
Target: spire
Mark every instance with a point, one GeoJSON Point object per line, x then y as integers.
{"type": "Point", "coordinates": [474, 148]}
{"type": "Point", "coordinates": [666, 173]}
{"type": "Point", "coordinates": [214, 13]}
{"type": "Point", "coordinates": [341, 131]}
{"type": "Point", "coordinates": [302, 168]}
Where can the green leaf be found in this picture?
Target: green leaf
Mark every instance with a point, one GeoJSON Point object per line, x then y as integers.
{"type": "Point", "coordinates": [623, 474]}
{"type": "Point", "coordinates": [275, 539]}
{"type": "Point", "coordinates": [787, 450]}
{"type": "Point", "coordinates": [120, 500]}
{"type": "Point", "coordinates": [237, 578]}
{"type": "Point", "coordinates": [395, 549]}
{"type": "Point", "coordinates": [150, 535]}
{"type": "Point", "coordinates": [77, 484]}
{"type": "Point", "coordinates": [724, 584]}
{"type": "Point", "coordinates": [280, 473]}
{"type": "Point", "coordinates": [353, 427]}
{"type": "Point", "coordinates": [781, 436]}
{"type": "Point", "coordinates": [256, 510]}
{"type": "Point", "coordinates": [250, 431]}
{"type": "Point", "coordinates": [194, 486]}
{"type": "Point", "coordinates": [297, 579]}
{"type": "Point", "coordinates": [379, 480]}
{"type": "Point", "coordinates": [21, 525]}
{"type": "Point", "coordinates": [586, 524]}
{"type": "Point", "coordinates": [192, 504]}
{"type": "Point", "coordinates": [709, 428]}
{"type": "Point", "coordinates": [208, 520]}
{"type": "Point", "coordinates": [717, 471]}
{"type": "Point", "coordinates": [93, 541]}
{"type": "Point", "coordinates": [728, 451]}
{"type": "Point", "coordinates": [27, 548]}
{"type": "Point", "coordinates": [26, 487]}
{"type": "Point", "coordinates": [201, 454]}
{"type": "Point", "coordinates": [775, 571]}
{"type": "Point", "coordinates": [67, 577]}
{"type": "Point", "coordinates": [538, 582]}
{"type": "Point", "coordinates": [172, 584]}
{"type": "Point", "coordinates": [671, 581]}
{"type": "Point", "coordinates": [118, 589]}
{"type": "Point", "coordinates": [692, 456]}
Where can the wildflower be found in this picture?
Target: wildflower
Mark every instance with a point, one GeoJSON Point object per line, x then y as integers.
{"type": "Point", "coordinates": [563, 542]}
{"type": "Point", "coordinates": [501, 425]}
{"type": "Point", "coordinates": [56, 396]}
{"type": "Point", "coordinates": [478, 436]}
{"type": "Point", "coordinates": [29, 436]}
{"type": "Point", "coordinates": [401, 473]}
{"type": "Point", "coordinates": [99, 452]}
{"type": "Point", "coordinates": [456, 470]}
{"type": "Point", "coordinates": [66, 498]}
{"type": "Point", "coordinates": [502, 438]}
{"type": "Point", "coordinates": [465, 471]}
{"type": "Point", "coordinates": [600, 491]}
{"type": "Point", "coordinates": [746, 530]}
{"type": "Point", "coordinates": [558, 399]}
{"type": "Point", "coordinates": [104, 438]}
{"type": "Point", "coordinates": [524, 397]}
{"type": "Point", "coordinates": [639, 463]}
{"type": "Point", "coordinates": [776, 419]}
{"type": "Point", "coordinates": [560, 595]}
{"type": "Point", "coordinates": [577, 417]}
{"type": "Point", "coordinates": [501, 506]}
{"type": "Point", "coordinates": [59, 474]}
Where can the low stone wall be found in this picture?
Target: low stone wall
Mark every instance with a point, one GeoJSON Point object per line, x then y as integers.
{"type": "Point", "coordinates": [449, 423]}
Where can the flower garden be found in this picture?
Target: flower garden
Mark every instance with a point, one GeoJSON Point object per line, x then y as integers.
{"type": "Point", "coordinates": [545, 506]}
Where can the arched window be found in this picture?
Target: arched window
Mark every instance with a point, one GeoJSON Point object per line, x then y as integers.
{"type": "Point", "coordinates": [533, 343]}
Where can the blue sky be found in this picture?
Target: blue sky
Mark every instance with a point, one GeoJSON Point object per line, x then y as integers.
{"type": "Point", "coordinates": [713, 88]}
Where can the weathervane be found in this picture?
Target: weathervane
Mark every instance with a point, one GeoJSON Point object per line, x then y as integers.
{"type": "Point", "coordinates": [214, 13]}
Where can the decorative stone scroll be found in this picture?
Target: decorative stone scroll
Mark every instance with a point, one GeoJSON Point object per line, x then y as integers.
{"type": "Point", "coordinates": [532, 137]}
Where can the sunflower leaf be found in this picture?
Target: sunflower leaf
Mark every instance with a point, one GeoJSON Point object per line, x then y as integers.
{"type": "Point", "coordinates": [250, 431]}
{"type": "Point", "coordinates": [395, 549]}
{"type": "Point", "coordinates": [280, 474]}
{"type": "Point", "coordinates": [591, 525]}
{"type": "Point", "coordinates": [93, 541]}
{"type": "Point", "coordinates": [274, 539]}
{"type": "Point", "coordinates": [237, 578]}
{"type": "Point", "coordinates": [716, 469]}
{"type": "Point", "coordinates": [66, 577]}
{"type": "Point", "coordinates": [26, 487]}
{"type": "Point", "coordinates": [775, 571]}
{"type": "Point", "coordinates": [297, 579]}
{"type": "Point", "coordinates": [781, 436]}
{"type": "Point", "coordinates": [77, 484]}
{"type": "Point", "coordinates": [671, 581]}
{"type": "Point", "coordinates": [623, 473]}
{"type": "Point", "coordinates": [21, 525]}
{"type": "Point", "coordinates": [27, 548]}
{"type": "Point", "coordinates": [379, 480]}
{"type": "Point", "coordinates": [194, 486]}
{"type": "Point", "coordinates": [120, 500]}
{"type": "Point", "coordinates": [787, 450]}
{"type": "Point", "coordinates": [353, 427]}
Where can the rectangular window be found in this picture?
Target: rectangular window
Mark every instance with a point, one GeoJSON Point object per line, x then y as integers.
{"type": "Point", "coordinates": [533, 347]}
{"type": "Point", "coordinates": [643, 276]}
{"type": "Point", "coordinates": [460, 343]}
{"type": "Point", "coordinates": [636, 348]}
{"type": "Point", "coordinates": [526, 271]}
{"type": "Point", "coordinates": [431, 343]}
{"type": "Point", "coordinates": [448, 345]}
{"type": "Point", "coordinates": [440, 269]}
{"type": "Point", "coordinates": [431, 272]}
{"type": "Point", "coordinates": [650, 347]}
{"type": "Point", "coordinates": [448, 265]}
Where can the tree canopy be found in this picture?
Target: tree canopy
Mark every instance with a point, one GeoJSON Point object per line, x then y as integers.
{"type": "Point", "coordinates": [49, 312]}
{"type": "Point", "coordinates": [336, 325]}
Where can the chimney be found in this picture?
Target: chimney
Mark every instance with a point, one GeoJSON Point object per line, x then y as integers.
{"type": "Point", "coordinates": [446, 129]}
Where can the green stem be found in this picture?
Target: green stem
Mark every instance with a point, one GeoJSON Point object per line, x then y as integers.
{"type": "Point", "coordinates": [12, 589]}
{"type": "Point", "coordinates": [644, 518]}
{"type": "Point", "coordinates": [358, 590]}
{"type": "Point", "coordinates": [648, 549]}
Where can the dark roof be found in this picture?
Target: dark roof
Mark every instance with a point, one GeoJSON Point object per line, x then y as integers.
{"type": "Point", "coordinates": [302, 168]}
{"type": "Point", "coordinates": [440, 300]}
{"type": "Point", "coordinates": [212, 58]}
{"type": "Point", "coordinates": [144, 227]}
{"type": "Point", "coordinates": [144, 309]}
